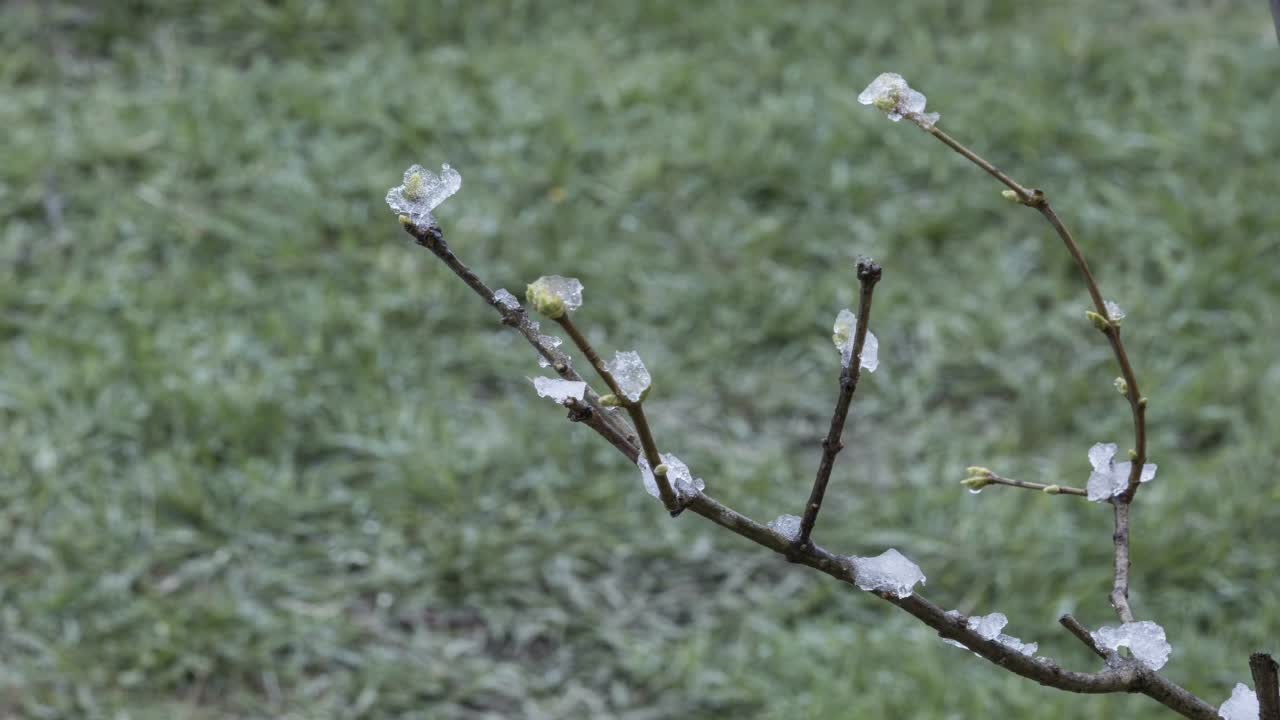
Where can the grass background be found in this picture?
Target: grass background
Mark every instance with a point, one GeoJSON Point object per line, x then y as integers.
{"type": "Point", "coordinates": [262, 458]}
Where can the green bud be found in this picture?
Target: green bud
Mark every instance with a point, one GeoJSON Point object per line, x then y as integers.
{"type": "Point", "coordinates": [661, 470]}
{"type": "Point", "coordinates": [975, 483]}
{"type": "Point", "coordinates": [981, 471]}
{"type": "Point", "coordinates": [1122, 386]}
{"type": "Point", "coordinates": [1011, 195]}
{"type": "Point", "coordinates": [610, 400]}
{"type": "Point", "coordinates": [406, 221]}
{"type": "Point", "coordinates": [1142, 401]}
{"type": "Point", "coordinates": [887, 102]}
{"type": "Point", "coordinates": [1098, 321]}
{"type": "Point", "coordinates": [413, 187]}
{"type": "Point", "coordinates": [1052, 490]}
{"type": "Point", "coordinates": [1133, 454]}
{"type": "Point", "coordinates": [544, 300]}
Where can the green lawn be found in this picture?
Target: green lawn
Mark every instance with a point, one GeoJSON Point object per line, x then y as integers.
{"type": "Point", "coordinates": [262, 457]}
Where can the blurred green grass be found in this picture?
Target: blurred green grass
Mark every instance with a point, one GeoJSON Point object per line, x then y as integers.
{"type": "Point", "coordinates": [261, 458]}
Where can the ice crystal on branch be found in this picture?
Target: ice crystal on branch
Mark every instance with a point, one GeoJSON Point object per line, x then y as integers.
{"type": "Point", "coordinates": [503, 298]}
{"type": "Point", "coordinates": [550, 341]}
{"type": "Point", "coordinates": [1114, 311]}
{"type": "Point", "coordinates": [682, 482]}
{"type": "Point", "coordinates": [630, 373]}
{"type": "Point", "coordinates": [842, 334]}
{"type": "Point", "coordinates": [890, 572]}
{"type": "Point", "coordinates": [1242, 705]}
{"type": "Point", "coordinates": [422, 192]}
{"type": "Point", "coordinates": [1110, 478]}
{"type": "Point", "coordinates": [1144, 639]}
{"type": "Point", "coordinates": [558, 390]}
{"type": "Point", "coordinates": [891, 93]}
{"type": "Point", "coordinates": [553, 295]}
{"type": "Point", "coordinates": [988, 627]}
{"type": "Point", "coordinates": [788, 526]}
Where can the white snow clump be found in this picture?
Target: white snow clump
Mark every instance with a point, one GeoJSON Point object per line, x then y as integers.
{"type": "Point", "coordinates": [1242, 705]}
{"type": "Point", "coordinates": [1110, 478]}
{"type": "Point", "coordinates": [890, 571]}
{"type": "Point", "coordinates": [842, 334]}
{"type": "Point", "coordinates": [1144, 639]}
{"type": "Point", "coordinates": [891, 93]}
{"type": "Point", "coordinates": [557, 389]}
{"type": "Point", "coordinates": [788, 526]}
{"type": "Point", "coordinates": [422, 192]}
{"type": "Point", "coordinates": [630, 373]}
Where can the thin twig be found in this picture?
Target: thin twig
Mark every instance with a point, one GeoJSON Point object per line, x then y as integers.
{"type": "Point", "coordinates": [1266, 684]}
{"type": "Point", "coordinates": [868, 275]}
{"type": "Point", "coordinates": [994, 479]}
{"type": "Point", "coordinates": [634, 408]}
{"type": "Point", "coordinates": [1123, 678]}
{"type": "Point", "coordinates": [1110, 327]}
{"type": "Point", "coordinates": [1083, 635]}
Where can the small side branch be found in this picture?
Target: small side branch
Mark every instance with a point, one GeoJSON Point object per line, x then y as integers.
{"type": "Point", "coordinates": [1266, 684]}
{"type": "Point", "coordinates": [977, 482]}
{"type": "Point", "coordinates": [1082, 634]}
{"type": "Point", "coordinates": [868, 275]}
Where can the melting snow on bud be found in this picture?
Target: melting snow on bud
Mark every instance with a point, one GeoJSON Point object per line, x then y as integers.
{"type": "Point", "coordinates": [505, 299]}
{"type": "Point", "coordinates": [988, 627]}
{"type": "Point", "coordinates": [788, 526]}
{"type": "Point", "coordinates": [891, 93]}
{"type": "Point", "coordinates": [1242, 705]}
{"type": "Point", "coordinates": [552, 295]}
{"type": "Point", "coordinates": [1114, 311]}
{"type": "Point", "coordinates": [842, 334]}
{"type": "Point", "coordinates": [1144, 639]}
{"type": "Point", "coordinates": [630, 373]}
{"type": "Point", "coordinates": [558, 390]}
{"type": "Point", "coordinates": [1110, 478]}
{"type": "Point", "coordinates": [682, 482]}
{"type": "Point", "coordinates": [889, 571]}
{"type": "Point", "coordinates": [550, 341]}
{"type": "Point", "coordinates": [422, 192]}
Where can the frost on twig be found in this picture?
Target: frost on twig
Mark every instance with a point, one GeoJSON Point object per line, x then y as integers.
{"type": "Point", "coordinates": [503, 298]}
{"type": "Point", "coordinates": [842, 334]}
{"type": "Point", "coordinates": [553, 295]}
{"type": "Point", "coordinates": [629, 372]}
{"type": "Point", "coordinates": [788, 526]}
{"type": "Point", "coordinates": [682, 481]}
{"type": "Point", "coordinates": [891, 93]}
{"type": "Point", "coordinates": [1144, 639]}
{"type": "Point", "coordinates": [989, 627]}
{"type": "Point", "coordinates": [422, 192]}
{"type": "Point", "coordinates": [559, 390]}
{"type": "Point", "coordinates": [1242, 705]}
{"type": "Point", "coordinates": [890, 572]}
{"type": "Point", "coordinates": [1110, 478]}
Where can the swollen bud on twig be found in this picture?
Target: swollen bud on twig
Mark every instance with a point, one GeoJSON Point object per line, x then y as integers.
{"type": "Point", "coordinates": [553, 295]}
{"type": "Point", "coordinates": [1098, 321]}
{"type": "Point", "coordinates": [610, 400]}
{"type": "Point", "coordinates": [661, 470]}
{"type": "Point", "coordinates": [1052, 490]}
{"type": "Point", "coordinates": [1133, 454]}
{"type": "Point", "coordinates": [1011, 196]}
{"type": "Point", "coordinates": [1122, 386]}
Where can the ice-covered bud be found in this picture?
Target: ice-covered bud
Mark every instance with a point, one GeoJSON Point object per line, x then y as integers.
{"type": "Point", "coordinates": [1114, 311]}
{"type": "Point", "coordinates": [1242, 705]}
{"type": "Point", "coordinates": [682, 482]}
{"type": "Point", "coordinates": [1144, 639]}
{"type": "Point", "coordinates": [891, 94]}
{"type": "Point", "coordinates": [553, 295]}
{"type": "Point", "coordinates": [559, 390]}
{"type": "Point", "coordinates": [1110, 478]}
{"type": "Point", "coordinates": [843, 333]}
{"type": "Point", "coordinates": [629, 372]}
{"type": "Point", "coordinates": [1122, 385]}
{"type": "Point", "coordinates": [890, 572]}
{"type": "Point", "coordinates": [1097, 320]}
{"type": "Point", "coordinates": [422, 192]}
{"type": "Point", "coordinates": [788, 526]}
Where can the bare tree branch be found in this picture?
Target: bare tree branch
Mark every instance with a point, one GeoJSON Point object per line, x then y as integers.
{"type": "Point", "coordinates": [868, 275]}
{"type": "Point", "coordinates": [984, 477]}
{"type": "Point", "coordinates": [1266, 685]}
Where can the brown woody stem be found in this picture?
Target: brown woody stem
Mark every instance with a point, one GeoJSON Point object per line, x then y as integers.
{"type": "Point", "coordinates": [1266, 684]}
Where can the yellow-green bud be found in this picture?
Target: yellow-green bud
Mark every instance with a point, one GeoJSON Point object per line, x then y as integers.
{"type": "Point", "coordinates": [976, 470]}
{"type": "Point", "coordinates": [1098, 321]}
{"type": "Point", "coordinates": [1052, 490]}
{"type": "Point", "coordinates": [887, 102]}
{"type": "Point", "coordinates": [413, 187]}
{"type": "Point", "coordinates": [544, 301]}
{"type": "Point", "coordinates": [1122, 386]}
{"type": "Point", "coordinates": [1133, 454]}
{"type": "Point", "coordinates": [406, 221]}
{"type": "Point", "coordinates": [1011, 195]}
{"type": "Point", "coordinates": [661, 470]}
{"type": "Point", "coordinates": [975, 483]}
{"type": "Point", "coordinates": [610, 400]}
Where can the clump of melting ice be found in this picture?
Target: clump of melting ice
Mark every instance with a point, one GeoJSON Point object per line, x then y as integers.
{"type": "Point", "coordinates": [1242, 705]}
{"type": "Point", "coordinates": [550, 341]}
{"type": "Point", "coordinates": [681, 480]}
{"type": "Point", "coordinates": [630, 373]}
{"type": "Point", "coordinates": [842, 334]}
{"type": "Point", "coordinates": [988, 627]}
{"type": "Point", "coordinates": [557, 389]}
{"type": "Point", "coordinates": [503, 298]}
{"type": "Point", "coordinates": [1144, 639]}
{"type": "Point", "coordinates": [890, 572]}
{"type": "Point", "coordinates": [1114, 311]}
{"type": "Point", "coordinates": [422, 192]}
{"type": "Point", "coordinates": [788, 526]}
{"type": "Point", "coordinates": [1110, 478]}
{"type": "Point", "coordinates": [552, 295]}
{"type": "Point", "coordinates": [891, 93]}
